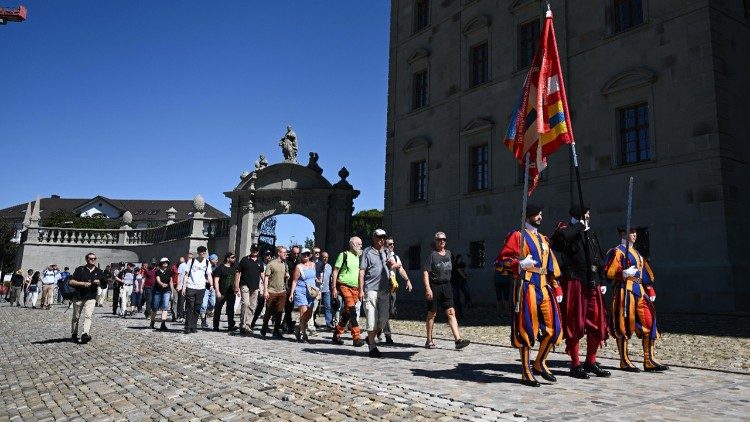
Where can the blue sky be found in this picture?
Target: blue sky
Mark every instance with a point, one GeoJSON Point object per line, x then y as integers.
{"type": "Point", "coordinates": [167, 99]}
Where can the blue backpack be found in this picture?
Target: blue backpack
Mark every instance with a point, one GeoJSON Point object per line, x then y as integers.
{"type": "Point", "coordinates": [67, 291]}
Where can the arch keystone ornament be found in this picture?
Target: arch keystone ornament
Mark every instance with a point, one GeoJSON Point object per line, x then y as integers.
{"type": "Point", "coordinates": [291, 188]}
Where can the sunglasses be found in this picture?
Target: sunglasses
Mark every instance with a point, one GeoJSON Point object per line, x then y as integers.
{"type": "Point", "coordinates": [91, 259]}
{"type": "Point", "coordinates": [441, 238]}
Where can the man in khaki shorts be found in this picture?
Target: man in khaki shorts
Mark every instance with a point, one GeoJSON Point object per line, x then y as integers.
{"type": "Point", "coordinates": [274, 291]}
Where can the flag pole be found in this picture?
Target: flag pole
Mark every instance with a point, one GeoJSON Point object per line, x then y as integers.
{"type": "Point", "coordinates": [518, 280]}
{"type": "Point", "coordinates": [587, 244]}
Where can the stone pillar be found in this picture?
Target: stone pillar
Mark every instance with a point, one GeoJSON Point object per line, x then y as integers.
{"type": "Point", "coordinates": [197, 238]}
{"type": "Point", "coordinates": [246, 227]}
{"type": "Point", "coordinates": [171, 215]}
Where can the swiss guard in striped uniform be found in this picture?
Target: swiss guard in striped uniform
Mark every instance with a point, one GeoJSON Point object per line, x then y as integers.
{"type": "Point", "coordinates": [538, 316]}
{"type": "Point", "coordinates": [583, 311]}
{"type": "Point", "coordinates": [632, 302]}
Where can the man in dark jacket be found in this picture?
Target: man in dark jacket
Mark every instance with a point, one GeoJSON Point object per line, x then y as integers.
{"type": "Point", "coordinates": [583, 312]}
{"type": "Point", "coordinates": [85, 280]}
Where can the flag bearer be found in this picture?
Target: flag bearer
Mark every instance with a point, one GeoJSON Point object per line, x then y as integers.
{"type": "Point", "coordinates": [537, 293]}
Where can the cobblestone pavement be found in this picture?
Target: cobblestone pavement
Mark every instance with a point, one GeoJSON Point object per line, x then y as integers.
{"type": "Point", "coordinates": [129, 372]}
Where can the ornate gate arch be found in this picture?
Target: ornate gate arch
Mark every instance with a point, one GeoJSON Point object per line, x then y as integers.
{"type": "Point", "coordinates": [291, 188]}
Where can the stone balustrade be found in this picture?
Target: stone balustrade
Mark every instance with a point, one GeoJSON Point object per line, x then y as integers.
{"type": "Point", "coordinates": [179, 230]}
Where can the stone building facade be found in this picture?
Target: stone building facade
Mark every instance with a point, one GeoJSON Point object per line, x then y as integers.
{"type": "Point", "coordinates": [657, 90]}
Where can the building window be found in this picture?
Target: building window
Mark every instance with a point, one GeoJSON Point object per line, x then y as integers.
{"type": "Point", "coordinates": [419, 181]}
{"type": "Point", "coordinates": [476, 254]}
{"type": "Point", "coordinates": [627, 14]}
{"type": "Point", "coordinates": [634, 143]}
{"type": "Point", "coordinates": [421, 14]}
{"type": "Point", "coordinates": [415, 257]}
{"type": "Point", "coordinates": [419, 90]}
{"type": "Point", "coordinates": [480, 167]}
{"type": "Point", "coordinates": [480, 64]}
{"type": "Point", "coordinates": [528, 41]}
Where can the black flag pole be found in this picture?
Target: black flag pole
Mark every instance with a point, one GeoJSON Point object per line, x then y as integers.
{"type": "Point", "coordinates": [587, 244]}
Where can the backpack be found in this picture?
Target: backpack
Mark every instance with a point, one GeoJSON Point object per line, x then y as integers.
{"type": "Point", "coordinates": [67, 291]}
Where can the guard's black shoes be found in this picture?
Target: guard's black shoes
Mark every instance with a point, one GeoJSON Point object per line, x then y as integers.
{"type": "Point", "coordinates": [658, 368]}
{"type": "Point", "coordinates": [546, 375]}
{"type": "Point", "coordinates": [630, 369]}
{"type": "Point", "coordinates": [530, 383]}
{"type": "Point", "coordinates": [579, 372]}
{"type": "Point", "coordinates": [337, 340]}
{"type": "Point", "coordinates": [595, 369]}
{"type": "Point", "coordinates": [358, 343]}
{"type": "Point", "coordinates": [85, 338]}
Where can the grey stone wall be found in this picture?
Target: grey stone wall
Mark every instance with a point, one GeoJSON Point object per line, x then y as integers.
{"type": "Point", "coordinates": [686, 61]}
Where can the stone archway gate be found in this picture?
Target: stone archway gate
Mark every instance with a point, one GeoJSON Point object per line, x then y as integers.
{"type": "Point", "coordinates": [290, 188]}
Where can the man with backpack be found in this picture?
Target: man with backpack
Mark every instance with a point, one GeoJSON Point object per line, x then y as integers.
{"type": "Point", "coordinates": [85, 280]}
{"type": "Point", "coordinates": [63, 275]}
{"type": "Point", "coordinates": [346, 279]}
{"type": "Point", "coordinates": [50, 276]}
{"type": "Point", "coordinates": [194, 287]}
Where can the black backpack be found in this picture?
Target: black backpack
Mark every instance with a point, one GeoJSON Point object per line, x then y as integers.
{"type": "Point", "coordinates": [67, 291]}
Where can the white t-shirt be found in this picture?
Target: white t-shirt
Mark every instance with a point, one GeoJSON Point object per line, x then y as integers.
{"type": "Point", "coordinates": [197, 274]}
{"type": "Point", "coordinates": [127, 278]}
{"type": "Point", "coordinates": [49, 276]}
{"type": "Point", "coordinates": [181, 270]}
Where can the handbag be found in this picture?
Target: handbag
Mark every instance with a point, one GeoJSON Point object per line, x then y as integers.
{"type": "Point", "coordinates": [312, 291]}
{"type": "Point", "coordinates": [32, 288]}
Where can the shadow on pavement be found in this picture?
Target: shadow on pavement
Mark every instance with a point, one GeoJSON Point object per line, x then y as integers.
{"type": "Point", "coordinates": [484, 373]}
{"type": "Point", "coordinates": [362, 351]}
{"type": "Point", "coordinates": [55, 340]}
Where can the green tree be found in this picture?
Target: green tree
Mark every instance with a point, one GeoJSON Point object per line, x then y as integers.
{"type": "Point", "coordinates": [7, 248]}
{"type": "Point", "coordinates": [365, 222]}
{"type": "Point", "coordinates": [309, 243]}
{"type": "Point", "coordinates": [63, 218]}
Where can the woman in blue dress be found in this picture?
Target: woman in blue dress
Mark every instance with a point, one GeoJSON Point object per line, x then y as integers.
{"type": "Point", "coordinates": [304, 276]}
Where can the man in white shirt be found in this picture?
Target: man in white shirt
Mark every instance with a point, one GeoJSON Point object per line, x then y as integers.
{"type": "Point", "coordinates": [181, 270]}
{"type": "Point", "coordinates": [194, 287]}
{"type": "Point", "coordinates": [49, 280]}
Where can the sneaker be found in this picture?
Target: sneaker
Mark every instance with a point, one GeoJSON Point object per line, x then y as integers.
{"type": "Point", "coordinates": [277, 335]}
{"type": "Point", "coordinates": [85, 338]}
{"type": "Point", "coordinates": [460, 344]}
{"type": "Point", "coordinates": [358, 343]}
{"type": "Point", "coordinates": [375, 353]}
{"type": "Point", "coordinates": [388, 339]}
{"type": "Point", "coordinates": [244, 332]}
{"type": "Point", "coordinates": [263, 331]}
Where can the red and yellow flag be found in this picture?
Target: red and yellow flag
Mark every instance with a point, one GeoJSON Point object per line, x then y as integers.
{"type": "Point", "coordinates": [541, 121]}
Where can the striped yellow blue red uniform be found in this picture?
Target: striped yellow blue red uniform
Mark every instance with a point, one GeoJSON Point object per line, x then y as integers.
{"type": "Point", "coordinates": [631, 306]}
{"type": "Point", "coordinates": [539, 314]}
{"type": "Point", "coordinates": [632, 309]}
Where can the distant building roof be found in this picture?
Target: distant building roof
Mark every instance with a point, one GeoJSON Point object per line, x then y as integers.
{"type": "Point", "coordinates": [142, 209]}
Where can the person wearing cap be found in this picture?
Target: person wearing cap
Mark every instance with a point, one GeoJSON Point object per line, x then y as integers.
{"type": "Point", "coordinates": [582, 267]}
{"type": "Point", "coordinates": [346, 279]}
{"type": "Point", "coordinates": [162, 292]}
{"type": "Point", "coordinates": [633, 299]}
{"type": "Point", "coordinates": [246, 284]}
{"type": "Point", "coordinates": [50, 275]}
{"type": "Point", "coordinates": [375, 287]}
{"type": "Point", "coordinates": [223, 286]}
{"type": "Point", "coordinates": [209, 299]}
{"type": "Point", "coordinates": [197, 275]}
{"type": "Point", "coordinates": [538, 316]}
{"type": "Point", "coordinates": [436, 276]}
{"type": "Point", "coordinates": [274, 292]}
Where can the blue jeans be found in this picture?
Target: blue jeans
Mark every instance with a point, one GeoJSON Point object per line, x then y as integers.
{"type": "Point", "coordinates": [209, 301]}
{"type": "Point", "coordinates": [326, 302]}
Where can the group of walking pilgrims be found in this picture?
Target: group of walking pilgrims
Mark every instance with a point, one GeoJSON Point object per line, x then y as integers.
{"type": "Point", "coordinates": [551, 301]}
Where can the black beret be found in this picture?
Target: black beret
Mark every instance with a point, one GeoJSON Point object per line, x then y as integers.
{"type": "Point", "coordinates": [576, 211]}
{"type": "Point", "coordinates": [533, 209]}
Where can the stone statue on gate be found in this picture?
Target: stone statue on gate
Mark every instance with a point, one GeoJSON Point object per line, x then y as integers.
{"type": "Point", "coordinates": [288, 146]}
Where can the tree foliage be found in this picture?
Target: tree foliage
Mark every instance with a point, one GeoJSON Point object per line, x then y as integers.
{"type": "Point", "coordinates": [62, 218]}
{"type": "Point", "coordinates": [309, 243]}
{"type": "Point", "coordinates": [365, 222]}
{"type": "Point", "coordinates": [7, 248]}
